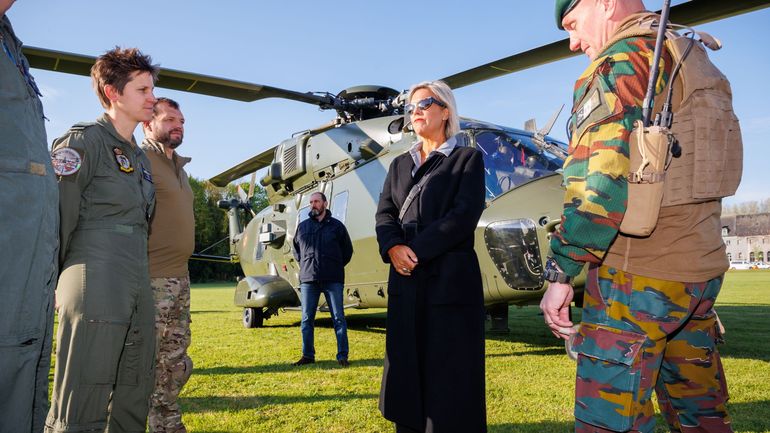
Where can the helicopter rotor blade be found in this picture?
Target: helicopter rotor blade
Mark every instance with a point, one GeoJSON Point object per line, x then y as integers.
{"type": "Point", "coordinates": [242, 194]}
{"type": "Point", "coordinates": [690, 13]}
{"type": "Point", "coordinates": [251, 185]}
{"type": "Point", "coordinates": [547, 128]}
{"type": "Point", "coordinates": [249, 166]}
{"type": "Point", "coordinates": [78, 64]}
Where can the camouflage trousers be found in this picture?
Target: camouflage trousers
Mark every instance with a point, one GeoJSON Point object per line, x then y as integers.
{"type": "Point", "coordinates": [642, 334]}
{"type": "Point", "coordinates": [173, 367]}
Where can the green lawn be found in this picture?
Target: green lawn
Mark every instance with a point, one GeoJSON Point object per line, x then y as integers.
{"type": "Point", "coordinates": [244, 381]}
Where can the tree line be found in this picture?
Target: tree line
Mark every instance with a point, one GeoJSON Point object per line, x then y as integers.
{"type": "Point", "coordinates": [211, 229]}
{"type": "Point", "coordinates": [747, 208]}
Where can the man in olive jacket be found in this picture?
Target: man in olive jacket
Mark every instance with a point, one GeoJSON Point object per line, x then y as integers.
{"type": "Point", "coordinates": [322, 247]}
{"type": "Point", "coordinates": [29, 213]}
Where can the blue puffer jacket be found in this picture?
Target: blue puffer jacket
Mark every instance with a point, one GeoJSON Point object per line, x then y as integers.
{"type": "Point", "coordinates": [322, 249]}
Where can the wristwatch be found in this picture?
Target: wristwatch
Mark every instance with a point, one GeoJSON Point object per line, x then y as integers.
{"type": "Point", "coordinates": [552, 273]}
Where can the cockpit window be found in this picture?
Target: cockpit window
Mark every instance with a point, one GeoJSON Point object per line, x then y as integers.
{"type": "Point", "coordinates": [511, 160]}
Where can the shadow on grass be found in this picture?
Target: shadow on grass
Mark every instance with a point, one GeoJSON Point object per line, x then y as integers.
{"type": "Point", "coordinates": [746, 417]}
{"type": "Point", "coordinates": [536, 352]}
{"type": "Point", "coordinates": [230, 403]}
{"type": "Point", "coordinates": [535, 427]}
{"type": "Point", "coordinates": [368, 322]}
{"type": "Point", "coordinates": [288, 367]}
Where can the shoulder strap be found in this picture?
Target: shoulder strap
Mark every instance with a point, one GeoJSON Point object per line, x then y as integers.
{"type": "Point", "coordinates": [81, 126]}
{"type": "Point", "coordinates": [417, 188]}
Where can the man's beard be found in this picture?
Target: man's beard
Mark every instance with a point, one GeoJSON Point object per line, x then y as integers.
{"type": "Point", "coordinates": [168, 141]}
{"type": "Point", "coordinates": [315, 212]}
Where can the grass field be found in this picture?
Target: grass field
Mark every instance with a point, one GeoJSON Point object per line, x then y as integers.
{"type": "Point", "coordinates": [244, 381]}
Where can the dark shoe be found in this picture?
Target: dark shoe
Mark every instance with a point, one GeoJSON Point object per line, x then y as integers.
{"type": "Point", "coordinates": [343, 362]}
{"type": "Point", "coordinates": [304, 360]}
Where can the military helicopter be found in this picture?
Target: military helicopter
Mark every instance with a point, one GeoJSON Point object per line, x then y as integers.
{"type": "Point", "coordinates": [348, 158]}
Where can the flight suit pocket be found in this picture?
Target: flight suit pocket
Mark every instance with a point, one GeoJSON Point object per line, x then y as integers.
{"type": "Point", "coordinates": [103, 348]}
{"type": "Point", "coordinates": [607, 389]}
{"type": "Point", "coordinates": [130, 363]}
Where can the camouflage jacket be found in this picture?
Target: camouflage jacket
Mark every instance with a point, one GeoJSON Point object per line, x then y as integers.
{"type": "Point", "coordinates": [607, 101]}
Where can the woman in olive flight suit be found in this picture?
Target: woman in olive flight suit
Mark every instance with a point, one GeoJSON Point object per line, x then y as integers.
{"type": "Point", "coordinates": [106, 338]}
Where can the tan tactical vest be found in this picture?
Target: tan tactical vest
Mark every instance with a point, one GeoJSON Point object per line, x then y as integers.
{"type": "Point", "coordinates": [711, 163]}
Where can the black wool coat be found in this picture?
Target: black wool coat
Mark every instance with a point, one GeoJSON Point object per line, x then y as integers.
{"type": "Point", "coordinates": [433, 379]}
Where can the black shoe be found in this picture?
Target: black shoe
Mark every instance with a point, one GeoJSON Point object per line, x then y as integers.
{"type": "Point", "coordinates": [343, 362]}
{"type": "Point", "coordinates": [304, 360]}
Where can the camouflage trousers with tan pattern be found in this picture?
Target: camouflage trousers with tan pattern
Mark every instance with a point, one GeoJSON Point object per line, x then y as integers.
{"type": "Point", "coordinates": [173, 367]}
{"type": "Point", "coordinates": [642, 334]}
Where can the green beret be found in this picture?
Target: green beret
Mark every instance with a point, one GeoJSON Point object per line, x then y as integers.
{"type": "Point", "coordinates": [562, 8]}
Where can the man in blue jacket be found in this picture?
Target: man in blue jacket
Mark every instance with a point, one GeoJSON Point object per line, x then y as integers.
{"type": "Point", "coordinates": [322, 248]}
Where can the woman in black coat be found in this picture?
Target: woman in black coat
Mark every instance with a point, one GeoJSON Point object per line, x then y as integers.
{"type": "Point", "coordinates": [433, 379]}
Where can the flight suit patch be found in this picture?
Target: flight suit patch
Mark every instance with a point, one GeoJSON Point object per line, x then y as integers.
{"type": "Point", "coordinates": [124, 164]}
{"type": "Point", "coordinates": [65, 161]}
{"type": "Point", "coordinates": [146, 175]}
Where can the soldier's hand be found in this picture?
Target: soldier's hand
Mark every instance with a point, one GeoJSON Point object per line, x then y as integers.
{"type": "Point", "coordinates": [555, 307]}
{"type": "Point", "coordinates": [404, 260]}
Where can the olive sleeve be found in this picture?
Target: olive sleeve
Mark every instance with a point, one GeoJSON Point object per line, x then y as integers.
{"type": "Point", "coordinates": [72, 184]}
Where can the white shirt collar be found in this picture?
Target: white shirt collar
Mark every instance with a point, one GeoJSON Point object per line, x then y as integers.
{"type": "Point", "coordinates": [446, 148]}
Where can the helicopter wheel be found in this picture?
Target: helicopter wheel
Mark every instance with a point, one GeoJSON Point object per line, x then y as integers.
{"type": "Point", "coordinates": [253, 318]}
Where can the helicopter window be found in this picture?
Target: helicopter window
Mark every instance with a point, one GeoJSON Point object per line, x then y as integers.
{"type": "Point", "coordinates": [511, 160]}
{"type": "Point", "coordinates": [303, 214]}
{"type": "Point", "coordinates": [339, 206]}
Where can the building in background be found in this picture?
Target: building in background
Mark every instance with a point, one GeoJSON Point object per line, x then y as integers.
{"type": "Point", "coordinates": [747, 237]}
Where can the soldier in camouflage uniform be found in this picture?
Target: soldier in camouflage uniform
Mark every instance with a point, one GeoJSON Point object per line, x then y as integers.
{"type": "Point", "coordinates": [648, 322]}
{"type": "Point", "coordinates": [106, 341]}
{"type": "Point", "coordinates": [172, 240]}
{"type": "Point", "coordinates": [29, 238]}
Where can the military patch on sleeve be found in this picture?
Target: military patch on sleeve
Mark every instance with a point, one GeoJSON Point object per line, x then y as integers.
{"type": "Point", "coordinates": [124, 164]}
{"type": "Point", "coordinates": [65, 161]}
{"type": "Point", "coordinates": [591, 103]}
{"type": "Point", "coordinates": [598, 105]}
{"type": "Point", "coordinates": [146, 175]}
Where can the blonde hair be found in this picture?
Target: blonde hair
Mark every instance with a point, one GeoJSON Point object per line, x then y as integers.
{"type": "Point", "coordinates": [444, 94]}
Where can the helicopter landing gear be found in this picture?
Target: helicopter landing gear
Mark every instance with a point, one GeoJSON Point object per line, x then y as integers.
{"type": "Point", "coordinates": [498, 317]}
{"type": "Point", "coordinates": [253, 317]}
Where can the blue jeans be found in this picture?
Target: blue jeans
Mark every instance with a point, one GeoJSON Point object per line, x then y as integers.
{"type": "Point", "coordinates": [310, 294]}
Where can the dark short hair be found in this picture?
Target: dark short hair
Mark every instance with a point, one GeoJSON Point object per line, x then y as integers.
{"type": "Point", "coordinates": [323, 196]}
{"type": "Point", "coordinates": [115, 67]}
{"type": "Point", "coordinates": [163, 100]}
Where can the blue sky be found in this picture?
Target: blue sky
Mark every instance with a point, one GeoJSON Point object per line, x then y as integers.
{"type": "Point", "coordinates": [307, 45]}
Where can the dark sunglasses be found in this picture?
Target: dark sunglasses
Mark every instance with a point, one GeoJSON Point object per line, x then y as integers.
{"type": "Point", "coordinates": [423, 105]}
